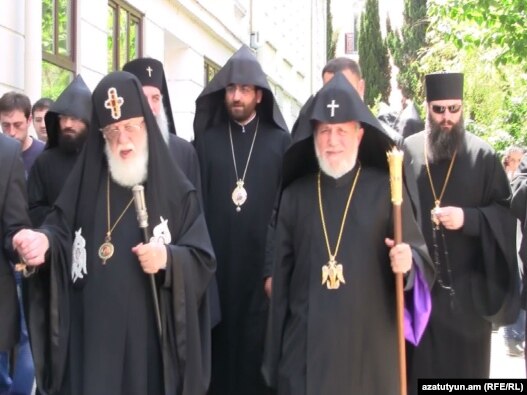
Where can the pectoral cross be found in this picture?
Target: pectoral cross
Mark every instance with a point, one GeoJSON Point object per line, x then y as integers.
{"type": "Point", "coordinates": [149, 69]}
{"type": "Point", "coordinates": [332, 106]}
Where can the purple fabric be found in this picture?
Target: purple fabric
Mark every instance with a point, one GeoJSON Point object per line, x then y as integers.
{"type": "Point", "coordinates": [417, 309]}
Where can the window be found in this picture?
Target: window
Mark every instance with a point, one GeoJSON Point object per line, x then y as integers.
{"type": "Point", "coordinates": [211, 69]}
{"type": "Point", "coordinates": [58, 52]}
{"type": "Point", "coordinates": [124, 34]}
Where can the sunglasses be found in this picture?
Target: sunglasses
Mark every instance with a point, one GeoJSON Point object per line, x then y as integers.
{"type": "Point", "coordinates": [452, 109]}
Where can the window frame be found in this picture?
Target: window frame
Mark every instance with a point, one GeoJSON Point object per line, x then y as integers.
{"type": "Point", "coordinates": [208, 67]}
{"type": "Point", "coordinates": [68, 63]}
{"type": "Point", "coordinates": [134, 15]}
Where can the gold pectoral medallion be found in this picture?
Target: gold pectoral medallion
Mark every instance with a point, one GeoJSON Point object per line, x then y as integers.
{"type": "Point", "coordinates": [106, 250]}
{"type": "Point", "coordinates": [239, 195]}
{"type": "Point", "coordinates": [333, 274]}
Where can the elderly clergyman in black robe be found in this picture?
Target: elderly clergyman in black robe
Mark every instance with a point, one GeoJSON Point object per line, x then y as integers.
{"type": "Point", "coordinates": [332, 325]}
{"type": "Point", "coordinates": [240, 138]}
{"type": "Point", "coordinates": [67, 123]}
{"type": "Point", "coordinates": [470, 232]}
{"type": "Point", "coordinates": [91, 315]}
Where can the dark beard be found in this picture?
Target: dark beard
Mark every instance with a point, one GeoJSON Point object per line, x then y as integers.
{"type": "Point", "coordinates": [443, 144]}
{"type": "Point", "coordinates": [72, 144]}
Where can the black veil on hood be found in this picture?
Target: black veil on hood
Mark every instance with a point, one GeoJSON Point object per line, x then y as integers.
{"type": "Point", "coordinates": [74, 101]}
{"type": "Point", "coordinates": [241, 68]}
{"type": "Point", "coordinates": [150, 72]}
{"type": "Point", "coordinates": [300, 158]}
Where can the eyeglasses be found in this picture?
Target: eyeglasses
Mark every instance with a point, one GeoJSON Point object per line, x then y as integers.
{"type": "Point", "coordinates": [452, 109]}
{"type": "Point", "coordinates": [114, 132]}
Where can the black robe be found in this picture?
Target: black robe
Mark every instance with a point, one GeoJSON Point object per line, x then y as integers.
{"type": "Point", "coordinates": [46, 179]}
{"type": "Point", "coordinates": [60, 311]}
{"type": "Point", "coordinates": [519, 209]}
{"type": "Point", "coordinates": [482, 258]}
{"type": "Point", "coordinates": [239, 240]}
{"type": "Point", "coordinates": [340, 341]}
{"type": "Point", "coordinates": [186, 158]}
{"type": "Point", "coordinates": [105, 339]}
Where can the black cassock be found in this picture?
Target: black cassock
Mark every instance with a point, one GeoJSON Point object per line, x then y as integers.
{"type": "Point", "coordinates": [482, 259]}
{"type": "Point", "coordinates": [186, 158]}
{"type": "Point", "coordinates": [46, 179]}
{"type": "Point", "coordinates": [98, 333]}
{"type": "Point", "coordinates": [341, 341]}
{"type": "Point", "coordinates": [239, 239]}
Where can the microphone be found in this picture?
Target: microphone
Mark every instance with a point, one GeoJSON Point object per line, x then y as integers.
{"type": "Point", "coordinates": [140, 206]}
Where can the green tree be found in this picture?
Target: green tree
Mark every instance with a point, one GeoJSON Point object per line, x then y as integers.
{"type": "Point", "coordinates": [498, 24]}
{"type": "Point", "coordinates": [495, 93]}
{"type": "Point", "coordinates": [406, 46]}
{"type": "Point", "coordinates": [373, 55]}
{"type": "Point", "coordinates": [331, 42]}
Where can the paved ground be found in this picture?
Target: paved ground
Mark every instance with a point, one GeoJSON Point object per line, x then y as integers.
{"type": "Point", "coordinates": [502, 365]}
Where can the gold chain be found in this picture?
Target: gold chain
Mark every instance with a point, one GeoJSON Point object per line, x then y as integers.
{"type": "Point", "coordinates": [110, 229]}
{"type": "Point", "coordinates": [333, 256]}
{"type": "Point", "coordinates": [437, 200]}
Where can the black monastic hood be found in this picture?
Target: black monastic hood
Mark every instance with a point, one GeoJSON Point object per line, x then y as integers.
{"type": "Point", "coordinates": [150, 72]}
{"type": "Point", "coordinates": [300, 158]}
{"type": "Point", "coordinates": [74, 101]}
{"type": "Point", "coordinates": [241, 68]}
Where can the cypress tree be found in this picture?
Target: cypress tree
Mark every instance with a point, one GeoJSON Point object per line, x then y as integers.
{"type": "Point", "coordinates": [406, 45]}
{"type": "Point", "coordinates": [373, 55]}
{"type": "Point", "coordinates": [330, 40]}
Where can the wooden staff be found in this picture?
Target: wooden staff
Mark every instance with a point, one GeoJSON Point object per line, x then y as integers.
{"type": "Point", "coordinates": [395, 162]}
{"type": "Point", "coordinates": [142, 218]}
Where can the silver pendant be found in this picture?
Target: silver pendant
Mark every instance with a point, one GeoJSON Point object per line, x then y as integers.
{"type": "Point", "coordinates": [239, 195]}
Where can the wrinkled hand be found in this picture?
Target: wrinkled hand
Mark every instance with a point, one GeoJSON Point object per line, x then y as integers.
{"type": "Point", "coordinates": [31, 246]}
{"type": "Point", "coordinates": [400, 256]}
{"type": "Point", "coordinates": [152, 256]}
{"type": "Point", "coordinates": [268, 286]}
{"type": "Point", "coordinates": [451, 218]}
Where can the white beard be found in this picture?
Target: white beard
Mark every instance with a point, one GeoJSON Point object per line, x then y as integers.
{"type": "Point", "coordinates": [343, 167]}
{"type": "Point", "coordinates": [162, 122]}
{"type": "Point", "coordinates": [131, 172]}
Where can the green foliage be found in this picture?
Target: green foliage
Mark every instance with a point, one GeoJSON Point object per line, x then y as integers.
{"type": "Point", "coordinates": [498, 24]}
{"type": "Point", "coordinates": [57, 44]}
{"type": "Point", "coordinates": [406, 46]}
{"type": "Point", "coordinates": [54, 80]}
{"type": "Point", "coordinates": [331, 40]}
{"type": "Point", "coordinates": [481, 38]}
{"type": "Point", "coordinates": [373, 55]}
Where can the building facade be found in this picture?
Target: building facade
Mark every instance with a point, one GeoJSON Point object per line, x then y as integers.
{"type": "Point", "coordinates": [47, 42]}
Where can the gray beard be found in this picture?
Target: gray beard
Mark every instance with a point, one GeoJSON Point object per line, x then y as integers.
{"type": "Point", "coordinates": [162, 122]}
{"type": "Point", "coordinates": [441, 144]}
